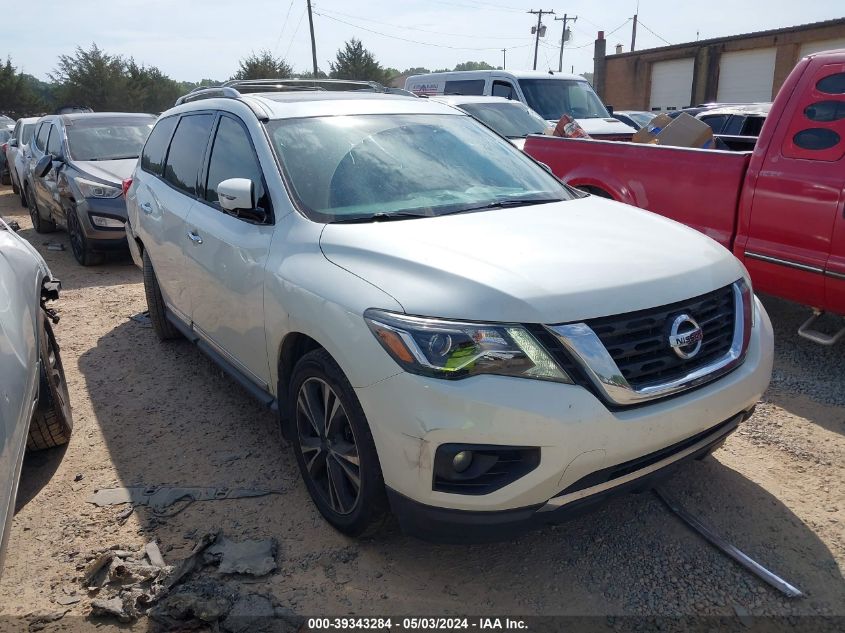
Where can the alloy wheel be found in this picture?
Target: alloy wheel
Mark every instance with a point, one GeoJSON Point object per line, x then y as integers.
{"type": "Point", "coordinates": [75, 235]}
{"type": "Point", "coordinates": [328, 445]}
{"type": "Point", "coordinates": [56, 376]}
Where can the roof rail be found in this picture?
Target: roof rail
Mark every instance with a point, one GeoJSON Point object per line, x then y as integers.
{"type": "Point", "coordinates": [279, 85]}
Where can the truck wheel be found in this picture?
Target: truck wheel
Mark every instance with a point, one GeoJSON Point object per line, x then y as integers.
{"type": "Point", "coordinates": [38, 223]}
{"type": "Point", "coordinates": [52, 422]}
{"type": "Point", "coordinates": [163, 328]}
{"type": "Point", "coordinates": [334, 447]}
{"type": "Point", "coordinates": [79, 243]}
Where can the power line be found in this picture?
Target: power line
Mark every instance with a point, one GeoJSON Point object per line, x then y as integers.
{"type": "Point", "coordinates": [295, 31]}
{"type": "Point", "coordinates": [284, 25]}
{"type": "Point", "coordinates": [653, 33]}
{"type": "Point", "coordinates": [539, 29]}
{"type": "Point", "coordinates": [414, 28]}
{"type": "Point", "coordinates": [572, 48]}
{"type": "Point", "coordinates": [405, 39]}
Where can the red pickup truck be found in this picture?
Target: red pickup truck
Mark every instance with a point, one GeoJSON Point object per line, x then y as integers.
{"type": "Point", "coordinates": [780, 208]}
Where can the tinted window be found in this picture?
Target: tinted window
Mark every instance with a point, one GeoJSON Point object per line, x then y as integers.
{"type": "Point", "coordinates": [503, 89]}
{"type": "Point", "coordinates": [552, 98]}
{"type": "Point", "coordinates": [54, 145]}
{"type": "Point", "coordinates": [816, 139]}
{"type": "Point", "coordinates": [155, 151]}
{"type": "Point", "coordinates": [825, 111]}
{"type": "Point", "coordinates": [232, 156]}
{"type": "Point", "coordinates": [464, 87]}
{"type": "Point", "coordinates": [753, 125]}
{"type": "Point", "coordinates": [108, 138]}
{"type": "Point", "coordinates": [512, 119]}
{"type": "Point", "coordinates": [832, 84]}
{"type": "Point", "coordinates": [734, 125]}
{"type": "Point", "coordinates": [716, 122]}
{"type": "Point", "coordinates": [41, 139]}
{"type": "Point", "coordinates": [26, 133]}
{"type": "Point", "coordinates": [186, 152]}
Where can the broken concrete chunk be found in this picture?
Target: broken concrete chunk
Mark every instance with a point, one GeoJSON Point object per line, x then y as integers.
{"type": "Point", "coordinates": [112, 607]}
{"type": "Point", "coordinates": [95, 573]}
{"type": "Point", "coordinates": [256, 558]}
{"type": "Point", "coordinates": [154, 554]}
{"type": "Point", "coordinates": [189, 564]}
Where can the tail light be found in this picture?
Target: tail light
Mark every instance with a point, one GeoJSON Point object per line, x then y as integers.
{"type": "Point", "coordinates": [126, 184]}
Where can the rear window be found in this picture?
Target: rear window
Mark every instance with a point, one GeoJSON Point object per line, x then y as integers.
{"type": "Point", "coordinates": [510, 119]}
{"type": "Point", "coordinates": [155, 151]}
{"type": "Point", "coordinates": [186, 152]}
{"type": "Point", "coordinates": [114, 138]}
{"type": "Point", "coordinates": [464, 87]}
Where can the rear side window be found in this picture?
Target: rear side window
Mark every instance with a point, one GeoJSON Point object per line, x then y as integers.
{"type": "Point", "coordinates": [716, 122]}
{"type": "Point", "coordinates": [503, 89]}
{"type": "Point", "coordinates": [186, 152]}
{"type": "Point", "coordinates": [232, 156]}
{"type": "Point", "coordinates": [54, 145]}
{"type": "Point", "coordinates": [464, 87]}
{"type": "Point", "coordinates": [41, 138]}
{"type": "Point", "coordinates": [155, 151]}
{"type": "Point", "coordinates": [26, 133]}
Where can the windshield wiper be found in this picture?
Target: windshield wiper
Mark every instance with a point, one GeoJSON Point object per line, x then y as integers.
{"type": "Point", "coordinates": [501, 204]}
{"type": "Point", "coordinates": [380, 217]}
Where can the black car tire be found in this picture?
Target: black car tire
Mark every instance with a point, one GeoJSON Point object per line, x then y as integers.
{"type": "Point", "coordinates": [79, 243]}
{"type": "Point", "coordinates": [52, 422]}
{"type": "Point", "coordinates": [38, 223]}
{"type": "Point", "coordinates": [163, 328]}
{"type": "Point", "coordinates": [15, 189]}
{"type": "Point", "coordinates": [6, 178]}
{"type": "Point", "coordinates": [369, 509]}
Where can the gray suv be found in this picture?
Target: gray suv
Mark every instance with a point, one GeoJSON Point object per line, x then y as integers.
{"type": "Point", "coordinates": [75, 175]}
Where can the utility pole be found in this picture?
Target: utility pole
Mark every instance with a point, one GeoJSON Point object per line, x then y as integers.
{"type": "Point", "coordinates": [539, 15]}
{"type": "Point", "coordinates": [634, 34]}
{"type": "Point", "coordinates": [504, 58]}
{"type": "Point", "coordinates": [564, 19]}
{"type": "Point", "coordinates": [313, 44]}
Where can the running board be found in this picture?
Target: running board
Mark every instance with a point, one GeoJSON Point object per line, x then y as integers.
{"type": "Point", "coordinates": [806, 331]}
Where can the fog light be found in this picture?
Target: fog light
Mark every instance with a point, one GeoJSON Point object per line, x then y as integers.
{"type": "Point", "coordinates": [462, 461]}
{"type": "Point", "coordinates": [107, 223]}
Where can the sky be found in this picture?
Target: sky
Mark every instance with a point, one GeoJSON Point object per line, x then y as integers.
{"type": "Point", "coordinates": [194, 39]}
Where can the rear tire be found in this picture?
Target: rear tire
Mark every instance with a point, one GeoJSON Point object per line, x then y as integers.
{"type": "Point", "coordinates": [164, 329]}
{"type": "Point", "coordinates": [38, 223]}
{"type": "Point", "coordinates": [338, 461]}
{"type": "Point", "coordinates": [52, 422]}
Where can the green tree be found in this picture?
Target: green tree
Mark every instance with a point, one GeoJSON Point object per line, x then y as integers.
{"type": "Point", "coordinates": [149, 90]}
{"type": "Point", "coordinates": [416, 70]}
{"type": "Point", "coordinates": [310, 75]}
{"type": "Point", "coordinates": [263, 65]}
{"type": "Point", "coordinates": [474, 66]}
{"type": "Point", "coordinates": [17, 97]}
{"type": "Point", "coordinates": [91, 78]}
{"type": "Point", "coordinates": [356, 62]}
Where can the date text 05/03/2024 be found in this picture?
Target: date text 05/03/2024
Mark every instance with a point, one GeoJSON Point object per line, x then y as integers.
{"type": "Point", "coordinates": [414, 624]}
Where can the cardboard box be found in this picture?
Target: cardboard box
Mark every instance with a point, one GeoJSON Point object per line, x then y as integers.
{"type": "Point", "coordinates": [682, 131]}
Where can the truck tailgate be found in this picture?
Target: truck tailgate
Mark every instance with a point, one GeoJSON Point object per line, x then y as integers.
{"type": "Point", "coordinates": [697, 187]}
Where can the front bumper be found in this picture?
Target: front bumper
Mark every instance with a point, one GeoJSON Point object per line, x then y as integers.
{"type": "Point", "coordinates": [578, 436]}
{"type": "Point", "coordinates": [103, 239]}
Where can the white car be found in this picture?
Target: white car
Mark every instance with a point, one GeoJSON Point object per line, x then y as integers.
{"type": "Point", "coordinates": [550, 94]}
{"type": "Point", "coordinates": [17, 154]}
{"type": "Point", "coordinates": [512, 119]}
{"type": "Point", "coordinates": [446, 330]}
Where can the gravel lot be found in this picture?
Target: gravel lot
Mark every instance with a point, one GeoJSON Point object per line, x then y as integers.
{"type": "Point", "coordinates": [152, 413]}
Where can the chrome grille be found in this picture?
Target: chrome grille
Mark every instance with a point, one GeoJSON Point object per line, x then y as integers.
{"type": "Point", "coordinates": [638, 341]}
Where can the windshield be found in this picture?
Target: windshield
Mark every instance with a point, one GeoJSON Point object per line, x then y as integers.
{"type": "Point", "coordinates": [642, 118]}
{"type": "Point", "coordinates": [510, 119]}
{"type": "Point", "coordinates": [552, 98]}
{"type": "Point", "coordinates": [108, 139]}
{"type": "Point", "coordinates": [26, 133]}
{"type": "Point", "coordinates": [377, 166]}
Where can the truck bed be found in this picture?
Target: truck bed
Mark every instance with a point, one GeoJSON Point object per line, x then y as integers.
{"type": "Point", "coordinates": [697, 187]}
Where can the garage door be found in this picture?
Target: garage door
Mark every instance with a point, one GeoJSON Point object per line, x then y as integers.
{"type": "Point", "coordinates": [746, 76]}
{"type": "Point", "coordinates": [826, 45]}
{"type": "Point", "coordinates": [671, 84]}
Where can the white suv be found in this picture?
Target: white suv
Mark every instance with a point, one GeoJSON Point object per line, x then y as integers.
{"type": "Point", "coordinates": [446, 330]}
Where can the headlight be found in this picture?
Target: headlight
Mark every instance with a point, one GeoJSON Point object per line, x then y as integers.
{"type": "Point", "coordinates": [91, 189]}
{"type": "Point", "coordinates": [454, 349]}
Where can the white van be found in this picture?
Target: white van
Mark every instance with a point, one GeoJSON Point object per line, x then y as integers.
{"type": "Point", "coordinates": [549, 93]}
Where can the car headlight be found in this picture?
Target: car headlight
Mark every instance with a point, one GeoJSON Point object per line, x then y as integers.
{"type": "Point", "coordinates": [455, 349]}
{"type": "Point", "coordinates": [91, 189]}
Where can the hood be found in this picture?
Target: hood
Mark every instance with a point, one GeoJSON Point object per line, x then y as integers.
{"type": "Point", "coordinates": [603, 126]}
{"type": "Point", "coordinates": [115, 171]}
{"type": "Point", "coordinates": [548, 263]}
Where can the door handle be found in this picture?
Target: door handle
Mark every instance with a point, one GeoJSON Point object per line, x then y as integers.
{"type": "Point", "coordinates": [196, 239]}
{"type": "Point", "coordinates": [146, 207]}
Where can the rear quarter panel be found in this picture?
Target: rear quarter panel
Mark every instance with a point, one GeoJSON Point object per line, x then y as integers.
{"type": "Point", "coordinates": [699, 188]}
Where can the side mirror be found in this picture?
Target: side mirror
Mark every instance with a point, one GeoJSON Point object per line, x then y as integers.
{"type": "Point", "coordinates": [237, 197]}
{"type": "Point", "coordinates": [43, 166]}
{"type": "Point", "coordinates": [13, 142]}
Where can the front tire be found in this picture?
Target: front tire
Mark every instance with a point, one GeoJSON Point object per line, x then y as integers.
{"type": "Point", "coordinates": [163, 328]}
{"type": "Point", "coordinates": [52, 422]}
{"type": "Point", "coordinates": [79, 243]}
{"type": "Point", "coordinates": [334, 446]}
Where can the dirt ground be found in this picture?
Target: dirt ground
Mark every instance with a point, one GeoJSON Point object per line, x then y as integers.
{"type": "Point", "coordinates": [151, 413]}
